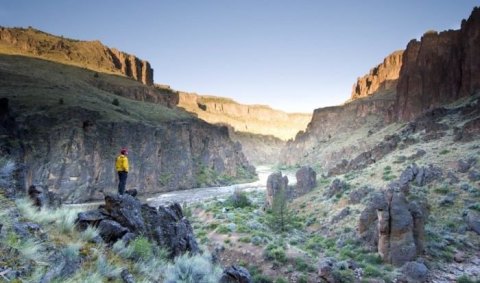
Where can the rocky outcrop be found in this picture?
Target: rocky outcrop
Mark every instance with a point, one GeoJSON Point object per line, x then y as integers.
{"type": "Point", "coordinates": [276, 185]}
{"type": "Point", "coordinates": [381, 78]}
{"type": "Point", "coordinates": [394, 227]}
{"type": "Point", "coordinates": [306, 180]}
{"type": "Point", "coordinates": [256, 119]}
{"type": "Point", "coordinates": [68, 142]}
{"type": "Point", "coordinates": [235, 274]}
{"type": "Point", "coordinates": [90, 54]}
{"type": "Point", "coordinates": [77, 163]}
{"type": "Point", "coordinates": [439, 69]}
{"type": "Point", "coordinates": [124, 214]}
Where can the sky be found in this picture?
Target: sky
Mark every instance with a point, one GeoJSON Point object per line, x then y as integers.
{"type": "Point", "coordinates": [295, 55]}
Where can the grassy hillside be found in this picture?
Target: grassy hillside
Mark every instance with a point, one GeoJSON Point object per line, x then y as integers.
{"type": "Point", "coordinates": [49, 88]}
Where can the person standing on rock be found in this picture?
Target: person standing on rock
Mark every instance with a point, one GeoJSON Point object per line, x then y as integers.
{"type": "Point", "coordinates": [122, 168]}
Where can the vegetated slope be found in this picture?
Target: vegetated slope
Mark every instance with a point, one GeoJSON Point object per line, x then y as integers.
{"type": "Point", "coordinates": [255, 119]}
{"type": "Point", "coordinates": [433, 161]}
{"type": "Point", "coordinates": [88, 54]}
{"type": "Point", "coordinates": [439, 69]}
{"type": "Point", "coordinates": [65, 125]}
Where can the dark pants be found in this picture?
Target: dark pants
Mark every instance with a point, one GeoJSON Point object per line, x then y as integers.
{"type": "Point", "coordinates": [122, 177]}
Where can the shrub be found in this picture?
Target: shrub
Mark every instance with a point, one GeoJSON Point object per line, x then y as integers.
{"type": "Point", "coordinates": [141, 248]}
{"type": "Point", "coordinates": [7, 167]}
{"type": "Point", "coordinates": [106, 269]}
{"type": "Point", "coordinates": [281, 280]}
{"type": "Point", "coordinates": [465, 279]}
{"type": "Point", "coordinates": [223, 229]}
{"type": "Point", "coordinates": [239, 199]}
{"type": "Point", "coordinates": [371, 271]}
{"type": "Point", "coordinates": [260, 278]}
{"type": "Point", "coordinates": [116, 102]}
{"type": "Point", "coordinates": [89, 234]}
{"type": "Point", "coordinates": [275, 253]}
{"type": "Point", "coordinates": [344, 275]}
{"type": "Point", "coordinates": [192, 269]}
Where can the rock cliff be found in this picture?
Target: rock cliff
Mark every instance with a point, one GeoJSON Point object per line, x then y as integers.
{"type": "Point", "coordinates": [66, 133]}
{"type": "Point", "coordinates": [439, 69]}
{"type": "Point", "coordinates": [381, 78]}
{"type": "Point", "coordinates": [256, 119]}
{"type": "Point", "coordinates": [88, 54]}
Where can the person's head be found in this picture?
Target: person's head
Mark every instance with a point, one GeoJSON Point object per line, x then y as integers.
{"type": "Point", "coordinates": [124, 151]}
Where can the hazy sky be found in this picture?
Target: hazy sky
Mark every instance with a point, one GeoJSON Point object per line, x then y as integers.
{"type": "Point", "coordinates": [293, 55]}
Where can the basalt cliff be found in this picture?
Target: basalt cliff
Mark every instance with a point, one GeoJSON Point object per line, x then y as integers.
{"type": "Point", "coordinates": [64, 125]}
{"type": "Point", "coordinates": [87, 54]}
{"type": "Point", "coordinates": [436, 70]}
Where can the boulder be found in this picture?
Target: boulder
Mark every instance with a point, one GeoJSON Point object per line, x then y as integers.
{"type": "Point", "coordinates": [474, 176]}
{"type": "Point", "coordinates": [414, 272]}
{"type": "Point", "coordinates": [167, 226]}
{"type": "Point", "coordinates": [306, 180]}
{"type": "Point", "coordinates": [464, 165]}
{"type": "Point", "coordinates": [235, 274]}
{"type": "Point", "coordinates": [90, 218]}
{"type": "Point", "coordinates": [420, 176]}
{"type": "Point", "coordinates": [276, 183]}
{"type": "Point", "coordinates": [111, 231]}
{"type": "Point", "coordinates": [126, 210]}
{"type": "Point", "coordinates": [473, 221]}
{"type": "Point", "coordinates": [124, 217]}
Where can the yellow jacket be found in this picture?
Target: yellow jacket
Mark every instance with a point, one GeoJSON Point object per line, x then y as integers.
{"type": "Point", "coordinates": [122, 163]}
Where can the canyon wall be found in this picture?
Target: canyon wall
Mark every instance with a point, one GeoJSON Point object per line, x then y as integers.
{"type": "Point", "coordinates": [256, 119]}
{"type": "Point", "coordinates": [381, 78]}
{"type": "Point", "coordinates": [64, 133]}
{"type": "Point", "coordinates": [87, 54]}
{"type": "Point", "coordinates": [439, 69]}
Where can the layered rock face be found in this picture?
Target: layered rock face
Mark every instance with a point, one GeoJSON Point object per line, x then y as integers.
{"type": "Point", "coordinates": [90, 54]}
{"type": "Point", "coordinates": [381, 78]}
{"type": "Point", "coordinates": [256, 119]}
{"type": "Point", "coordinates": [439, 69]}
{"type": "Point", "coordinates": [75, 160]}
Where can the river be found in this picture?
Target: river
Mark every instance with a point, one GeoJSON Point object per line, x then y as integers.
{"type": "Point", "coordinates": [203, 194]}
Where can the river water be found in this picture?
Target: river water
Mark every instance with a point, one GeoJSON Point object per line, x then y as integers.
{"type": "Point", "coordinates": [204, 194]}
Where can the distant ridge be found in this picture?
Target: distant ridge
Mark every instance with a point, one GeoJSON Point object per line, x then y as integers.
{"type": "Point", "coordinates": [88, 54]}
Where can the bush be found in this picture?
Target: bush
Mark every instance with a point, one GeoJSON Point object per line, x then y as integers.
{"type": "Point", "coordinates": [7, 167]}
{"type": "Point", "coordinates": [141, 248]}
{"type": "Point", "coordinates": [192, 269]}
{"type": "Point", "coordinates": [344, 275]}
{"type": "Point", "coordinates": [371, 271]}
{"type": "Point", "coordinates": [116, 102]}
{"type": "Point", "coordinates": [276, 253]}
{"type": "Point", "coordinates": [465, 279]}
{"type": "Point", "coordinates": [239, 199]}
